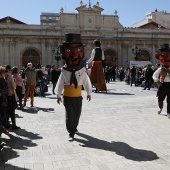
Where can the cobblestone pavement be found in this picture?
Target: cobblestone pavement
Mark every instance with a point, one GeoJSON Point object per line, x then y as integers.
{"type": "Point", "coordinates": [118, 130]}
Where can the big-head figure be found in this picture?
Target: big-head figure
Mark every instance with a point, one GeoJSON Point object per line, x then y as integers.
{"type": "Point", "coordinates": [72, 51]}
{"type": "Point", "coordinates": [163, 55]}
{"type": "Point", "coordinates": [71, 80]}
{"type": "Point", "coordinates": [162, 77]}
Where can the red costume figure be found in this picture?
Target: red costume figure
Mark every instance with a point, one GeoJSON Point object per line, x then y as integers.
{"type": "Point", "coordinates": [162, 77]}
{"type": "Point", "coordinates": [97, 74]}
{"type": "Point", "coordinates": [70, 82]}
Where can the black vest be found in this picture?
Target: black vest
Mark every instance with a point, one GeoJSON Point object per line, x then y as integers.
{"type": "Point", "coordinates": [98, 55]}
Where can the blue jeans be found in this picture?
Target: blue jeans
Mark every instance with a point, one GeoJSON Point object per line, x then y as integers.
{"type": "Point", "coordinates": [42, 85]}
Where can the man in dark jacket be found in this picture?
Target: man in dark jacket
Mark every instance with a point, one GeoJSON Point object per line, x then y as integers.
{"type": "Point", "coordinates": [54, 77]}
{"type": "Point", "coordinates": [132, 75]}
{"type": "Point", "coordinates": [148, 77]}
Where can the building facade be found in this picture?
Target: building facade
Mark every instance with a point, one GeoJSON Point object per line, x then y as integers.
{"type": "Point", "coordinates": [49, 18]}
{"type": "Point", "coordinates": [162, 18]}
{"type": "Point", "coordinates": [21, 43]}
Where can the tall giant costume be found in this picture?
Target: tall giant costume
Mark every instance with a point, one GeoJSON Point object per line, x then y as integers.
{"type": "Point", "coordinates": [70, 82]}
{"type": "Point", "coordinates": [97, 74]}
{"type": "Point", "coordinates": [162, 77]}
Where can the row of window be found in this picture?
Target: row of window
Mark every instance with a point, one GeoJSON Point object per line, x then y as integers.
{"type": "Point", "coordinates": [49, 18]}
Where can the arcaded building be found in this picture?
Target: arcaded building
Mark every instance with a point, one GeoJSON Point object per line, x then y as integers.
{"type": "Point", "coordinates": [21, 43]}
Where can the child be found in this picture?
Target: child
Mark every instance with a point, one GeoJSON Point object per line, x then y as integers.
{"type": "Point", "coordinates": [71, 79]}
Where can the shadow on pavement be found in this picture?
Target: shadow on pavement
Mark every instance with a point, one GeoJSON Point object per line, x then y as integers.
{"type": "Point", "coordinates": [17, 116]}
{"type": "Point", "coordinates": [111, 93]}
{"type": "Point", "coordinates": [34, 110]}
{"type": "Point", "coordinates": [52, 98]}
{"type": "Point", "coordinates": [8, 166]}
{"type": "Point", "coordinates": [14, 142]}
{"type": "Point", "coordinates": [120, 148]}
{"type": "Point", "coordinates": [30, 135]}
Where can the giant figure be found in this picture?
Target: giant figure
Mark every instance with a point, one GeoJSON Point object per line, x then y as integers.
{"type": "Point", "coordinates": [162, 77]}
{"type": "Point", "coordinates": [70, 82]}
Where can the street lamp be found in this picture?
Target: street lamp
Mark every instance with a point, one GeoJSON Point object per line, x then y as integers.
{"type": "Point", "coordinates": [56, 54]}
{"type": "Point", "coordinates": [136, 51]}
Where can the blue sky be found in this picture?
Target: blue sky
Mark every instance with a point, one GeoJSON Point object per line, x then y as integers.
{"type": "Point", "coordinates": [129, 11]}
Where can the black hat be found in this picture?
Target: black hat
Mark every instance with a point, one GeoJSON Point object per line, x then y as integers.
{"type": "Point", "coordinates": [72, 38]}
{"type": "Point", "coordinates": [97, 43]}
{"type": "Point", "coordinates": [164, 47]}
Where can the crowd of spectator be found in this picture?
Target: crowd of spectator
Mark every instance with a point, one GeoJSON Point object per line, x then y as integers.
{"type": "Point", "coordinates": [134, 75]}
{"type": "Point", "coordinates": [16, 85]}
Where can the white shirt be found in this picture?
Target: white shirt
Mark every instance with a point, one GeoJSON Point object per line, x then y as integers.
{"type": "Point", "coordinates": [82, 79]}
{"type": "Point", "coordinates": [93, 54]}
{"type": "Point", "coordinates": [156, 76]}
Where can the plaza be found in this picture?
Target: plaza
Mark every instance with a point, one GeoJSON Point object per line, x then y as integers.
{"type": "Point", "coordinates": [117, 130]}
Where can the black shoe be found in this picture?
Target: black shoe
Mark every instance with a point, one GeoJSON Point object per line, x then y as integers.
{"type": "Point", "coordinates": [15, 127]}
{"type": "Point", "coordinates": [7, 126]}
{"type": "Point", "coordinates": [76, 131]}
{"type": "Point", "coordinates": [2, 146]}
{"type": "Point", "coordinates": [144, 89]}
{"type": "Point", "coordinates": [22, 108]}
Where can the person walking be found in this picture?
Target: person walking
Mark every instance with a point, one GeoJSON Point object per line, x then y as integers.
{"type": "Point", "coordinates": [162, 77]}
{"type": "Point", "coordinates": [30, 82]}
{"type": "Point", "coordinates": [71, 79]}
{"type": "Point", "coordinates": [97, 74]}
{"type": "Point", "coordinates": [133, 76]}
{"type": "Point", "coordinates": [148, 77]}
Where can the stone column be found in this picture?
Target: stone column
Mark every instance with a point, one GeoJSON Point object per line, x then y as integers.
{"type": "Point", "coordinates": [119, 57]}
{"type": "Point", "coordinates": [1, 53]}
{"type": "Point", "coordinates": [43, 55]}
{"type": "Point", "coordinates": [154, 61]}
{"type": "Point", "coordinates": [7, 57]}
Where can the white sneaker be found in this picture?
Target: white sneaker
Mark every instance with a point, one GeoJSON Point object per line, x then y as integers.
{"type": "Point", "coordinates": [70, 139]}
{"type": "Point", "coordinates": [159, 111]}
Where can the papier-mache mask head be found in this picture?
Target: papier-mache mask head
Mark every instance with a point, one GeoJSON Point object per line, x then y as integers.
{"type": "Point", "coordinates": [72, 50]}
{"type": "Point", "coordinates": [163, 55]}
